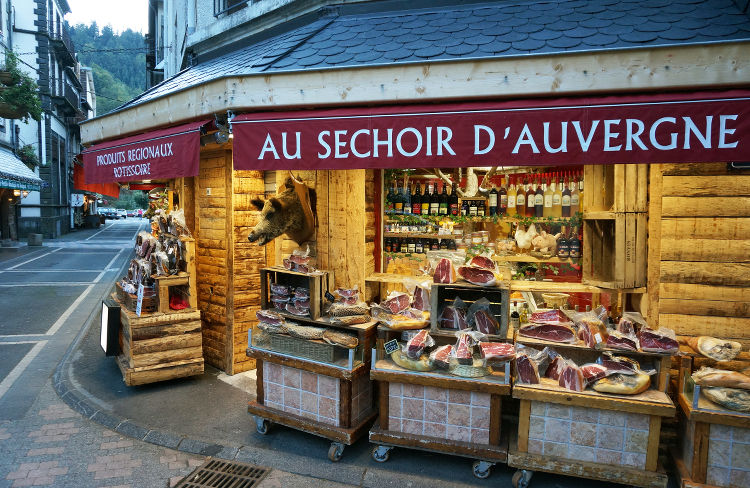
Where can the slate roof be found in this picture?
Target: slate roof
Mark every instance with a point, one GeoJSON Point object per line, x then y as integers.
{"type": "Point", "coordinates": [13, 168]}
{"type": "Point", "coordinates": [489, 30]}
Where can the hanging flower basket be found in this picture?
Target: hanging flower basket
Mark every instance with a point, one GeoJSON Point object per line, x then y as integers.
{"type": "Point", "coordinates": [20, 99]}
{"type": "Point", "coordinates": [8, 112]}
{"type": "Point", "coordinates": [6, 77]}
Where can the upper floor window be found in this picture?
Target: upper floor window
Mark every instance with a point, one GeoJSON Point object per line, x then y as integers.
{"type": "Point", "coordinates": [229, 6]}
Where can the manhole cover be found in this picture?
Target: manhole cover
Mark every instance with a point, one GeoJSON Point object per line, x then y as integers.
{"type": "Point", "coordinates": [216, 473]}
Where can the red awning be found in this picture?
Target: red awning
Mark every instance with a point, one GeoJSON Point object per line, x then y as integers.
{"type": "Point", "coordinates": [165, 153]}
{"type": "Point", "coordinates": [667, 128]}
{"type": "Point", "coordinates": [109, 189]}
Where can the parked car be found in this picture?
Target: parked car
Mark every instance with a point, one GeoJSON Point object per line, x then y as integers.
{"type": "Point", "coordinates": [131, 213]}
{"type": "Point", "coordinates": [109, 213]}
{"type": "Point", "coordinates": [122, 213]}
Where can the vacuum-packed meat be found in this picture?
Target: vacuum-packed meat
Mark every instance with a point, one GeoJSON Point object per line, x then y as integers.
{"type": "Point", "coordinates": [486, 323]}
{"type": "Point", "coordinates": [288, 264]}
{"type": "Point", "coordinates": [593, 372]}
{"type": "Point", "coordinates": [453, 318]}
{"type": "Point", "coordinates": [548, 332]}
{"type": "Point", "coordinates": [302, 302]}
{"type": "Point", "coordinates": [304, 268]}
{"type": "Point", "coordinates": [299, 259]}
{"type": "Point", "coordinates": [496, 351]}
{"type": "Point", "coordinates": [477, 276]}
{"type": "Point", "coordinates": [279, 298]}
{"type": "Point", "coordinates": [482, 262]}
{"type": "Point", "coordinates": [442, 356]}
{"type": "Point", "coordinates": [555, 368]}
{"type": "Point", "coordinates": [718, 349]}
{"type": "Point", "coordinates": [619, 364]}
{"type": "Point", "coordinates": [622, 384]}
{"type": "Point", "coordinates": [297, 311]}
{"type": "Point", "coordinates": [733, 399]}
{"type": "Point", "coordinates": [619, 340]}
{"type": "Point", "coordinates": [278, 289]}
{"type": "Point", "coordinates": [269, 317]}
{"type": "Point", "coordinates": [444, 272]}
{"type": "Point", "coordinates": [625, 326]}
{"type": "Point", "coordinates": [348, 300]}
{"type": "Point", "coordinates": [302, 292]}
{"type": "Point", "coordinates": [463, 350]}
{"type": "Point", "coordinates": [661, 340]}
{"type": "Point", "coordinates": [723, 378]}
{"type": "Point", "coordinates": [348, 292]}
{"type": "Point", "coordinates": [554, 317]}
{"type": "Point", "coordinates": [585, 334]}
{"type": "Point", "coordinates": [572, 378]}
{"type": "Point", "coordinates": [526, 370]}
{"type": "Point", "coordinates": [421, 299]}
{"type": "Point", "coordinates": [397, 302]}
{"type": "Point", "coordinates": [415, 346]}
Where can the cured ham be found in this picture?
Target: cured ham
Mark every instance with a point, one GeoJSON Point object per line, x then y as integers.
{"type": "Point", "coordinates": [722, 378]}
{"type": "Point", "coordinates": [548, 332]}
{"type": "Point", "coordinates": [421, 299]}
{"type": "Point", "coordinates": [421, 364]}
{"type": "Point", "coordinates": [482, 262]}
{"type": "Point", "coordinates": [463, 350]}
{"type": "Point", "coordinates": [302, 302]}
{"type": "Point", "coordinates": [486, 323]}
{"type": "Point", "coordinates": [527, 370]}
{"type": "Point", "coordinates": [619, 340]}
{"type": "Point", "coordinates": [397, 302]}
{"type": "Point", "coordinates": [738, 400]}
{"type": "Point", "coordinates": [593, 372]}
{"type": "Point", "coordinates": [304, 268]}
{"type": "Point", "coordinates": [497, 351]}
{"type": "Point", "coordinates": [555, 368]}
{"type": "Point", "coordinates": [442, 356]}
{"type": "Point", "coordinates": [349, 300]}
{"type": "Point", "coordinates": [585, 334]}
{"type": "Point", "coordinates": [297, 311]}
{"type": "Point", "coordinates": [348, 292]}
{"type": "Point", "coordinates": [269, 317]}
{"type": "Point", "coordinates": [477, 276]}
{"type": "Point", "coordinates": [717, 349]}
{"type": "Point", "coordinates": [623, 384]}
{"type": "Point", "coordinates": [299, 259]}
{"type": "Point", "coordinates": [625, 326]}
{"type": "Point", "coordinates": [279, 289]}
{"type": "Point", "coordinates": [302, 292]}
{"type": "Point", "coordinates": [444, 272]}
{"type": "Point", "coordinates": [453, 318]}
{"type": "Point", "coordinates": [658, 341]}
{"type": "Point", "coordinates": [415, 346]}
{"type": "Point", "coordinates": [572, 378]}
{"type": "Point", "coordinates": [288, 264]}
{"type": "Point", "coordinates": [553, 317]}
{"type": "Point", "coordinates": [619, 364]}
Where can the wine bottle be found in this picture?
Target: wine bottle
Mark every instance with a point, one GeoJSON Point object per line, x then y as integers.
{"type": "Point", "coordinates": [515, 317]}
{"type": "Point", "coordinates": [389, 199]}
{"type": "Point", "coordinates": [443, 201]}
{"type": "Point", "coordinates": [521, 197]}
{"type": "Point", "coordinates": [398, 200]}
{"type": "Point", "coordinates": [502, 204]}
{"type": "Point", "coordinates": [557, 198]}
{"type": "Point", "coordinates": [565, 203]}
{"type": "Point", "coordinates": [531, 198]}
{"type": "Point", "coordinates": [547, 198]}
{"type": "Point", "coordinates": [453, 201]}
{"type": "Point", "coordinates": [407, 200]}
{"type": "Point", "coordinates": [575, 244]}
{"type": "Point", "coordinates": [539, 200]}
{"type": "Point", "coordinates": [416, 200]}
{"type": "Point", "coordinates": [426, 200]}
{"type": "Point", "coordinates": [434, 200]}
{"type": "Point", "coordinates": [563, 245]}
{"type": "Point", "coordinates": [493, 200]}
{"type": "Point", "coordinates": [512, 195]}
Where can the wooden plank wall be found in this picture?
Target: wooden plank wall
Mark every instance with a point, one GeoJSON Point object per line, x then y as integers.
{"type": "Point", "coordinates": [345, 239]}
{"type": "Point", "coordinates": [699, 256]}
{"type": "Point", "coordinates": [249, 258]}
{"type": "Point", "coordinates": [212, 247]}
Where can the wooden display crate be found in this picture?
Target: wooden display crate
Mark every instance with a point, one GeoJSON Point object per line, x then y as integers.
{"type": "Point", "coordinates": [614, 253]}
{"type": "Point", "coordinates": [160, 346]}
{"type": "Point", "coordinates": [615, 188]}
{"type": "Point", "coordinates": [442, 295]}
{"type": "Point", "coordinates": [318, 284]}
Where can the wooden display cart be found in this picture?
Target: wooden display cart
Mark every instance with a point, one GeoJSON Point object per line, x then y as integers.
{"type": "Point", "coordinates": [163, 344]}
{"type": "Point", "coordinates": [588, 434]}
{"type": "Point", "coordinates": [296, 387]}
{"type": "Point", "coordinates": [437, 411]}
{"type": "Point", "coordinates": [714, 441]}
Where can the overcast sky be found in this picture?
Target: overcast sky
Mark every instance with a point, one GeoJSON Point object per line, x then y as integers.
{"type": "Point", "coordinates": [121, 15]}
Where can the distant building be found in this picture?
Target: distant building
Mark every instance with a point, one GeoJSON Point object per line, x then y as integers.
{"type": "Point", "coordinates": [36, 27]}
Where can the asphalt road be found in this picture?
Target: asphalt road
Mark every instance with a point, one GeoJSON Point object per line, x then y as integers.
{"type": "Point", "coordinates": [46, 295]}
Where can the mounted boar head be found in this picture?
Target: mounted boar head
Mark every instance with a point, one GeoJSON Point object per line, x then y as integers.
{"type": "Point", "coordinates": [289, 212]}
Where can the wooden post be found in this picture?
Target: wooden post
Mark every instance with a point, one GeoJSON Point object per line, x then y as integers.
{"type": "Point", "coordinates": [654, 245]}
{"type": "Point", "coordinates": [495, 418]}
{"type": "Point", "coordinates": [260, 393]}
{"type": "Point", "coordinates": [524, 418]}
{"type": "Point", "coordinates": [652, 451]}
{"type": "Point", "coordinates": [229, 239]}
{"type": "Point", "coordinates": [700, 452]}
{"type": "Point", "coordinates": [384, 403]}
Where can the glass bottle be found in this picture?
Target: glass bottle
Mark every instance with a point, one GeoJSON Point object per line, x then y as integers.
{"type": "Point", "coordinates": [521, 197]}
{"type": "Point", "coordinates": [407, 200]}
{"type": "Point", "coordinates": [557, 198]}
{"type": "Point", "coordinates": [575, 244]}
{"type": "Point", "coordinates": [493, 200]}
{"type": "Point", "coordinates": [434, 200]}
{"type": "Point", "coordinates": [539, 200]}
{"type": "Point", "coordinates": [464, 207]}
{"type": "Point", "coordinates": [563, 245]}
{"type": "Point", "coordinates": [502, 204]}
{"type": "Point", "coordinates": [453, 201]}
{"type": "Point", "coordinates": [443, 201]}
{"type": "Point", "coordinates": [416, 200]}
{"type": "Point", "coordinates": [512, 196]}
{"type": "Point", "coordinates": [531, 198]}
{"type": "Point", "coordinates": [547, 198]}
{"type": "Point", "coordinates": [565, 202]}
{"type": "Point", "coordinates": [515, 317]}
{"type": "Point", "coordinates": [398, 200]}
{"type": "Point", "coordinates": [426, 199]}
{"type": "Point", "coordinates": [389, 199]}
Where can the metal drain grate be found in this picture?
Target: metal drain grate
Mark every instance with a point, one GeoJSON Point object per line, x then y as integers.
{"type": "Point", "coordinates": [216, 473]}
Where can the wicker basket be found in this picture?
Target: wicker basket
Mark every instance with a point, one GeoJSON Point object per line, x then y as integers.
{"type": "Point", "coordinates": [317, 351]}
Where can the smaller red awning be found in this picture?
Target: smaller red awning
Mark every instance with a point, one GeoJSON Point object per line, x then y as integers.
{"type": "Point", "coordinates": [161, 154]}
{"type": "Point", "coordinates": [109, 189]}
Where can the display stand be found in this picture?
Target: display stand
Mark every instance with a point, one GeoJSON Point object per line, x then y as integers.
{"type": "Point", "coordinates": [299, 388]}
{"type": "Point", "coordinates": [438, 411]}
{"type": "Point", "coordinates": [709, 434]}
{"type": "Point", "coordinates": [163, 344]}
{"type": "Point", "coordinates": [589, 434]}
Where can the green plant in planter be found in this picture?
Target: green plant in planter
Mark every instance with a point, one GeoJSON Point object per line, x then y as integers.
{"type": "Point", "coordinates": [27, 154]}
{"type": "Point", "coordinates": [22, 95]}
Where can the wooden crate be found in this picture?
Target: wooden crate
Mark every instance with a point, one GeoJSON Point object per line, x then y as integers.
{"type": "Point", "coordinates": [159, 372]}
{"type": "Point", "coordinates": [615, 188]}
{"type": "Point", "coordinates": [379, 285]}
{"type": "Point", "coordinates": [163, 283]}
{"type": "Point", "coordinates": [318, 284]}
{"type": "Point", "coordinates": [614, 253]}
{"type": "Point", "coordinates": [442, 295]}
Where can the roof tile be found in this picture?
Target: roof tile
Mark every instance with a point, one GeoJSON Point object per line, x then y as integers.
{"type": "Point", "coordinates": [637, 36]}
{"type": "Point", "coordinates": [429, 52]}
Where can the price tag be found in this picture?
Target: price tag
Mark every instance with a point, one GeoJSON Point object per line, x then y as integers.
{"type": "Point", "coordinates": [598, 338]}
{"type": "Point", "coordinates": [391, 346]}
{"type": "Point", "coordinates": [330, 297]}
{"type": "Point", "coordinates": [140, 300]}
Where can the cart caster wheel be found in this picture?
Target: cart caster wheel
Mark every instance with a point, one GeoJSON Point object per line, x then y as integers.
{"type": "Point", "coordinates": [521, 478]}
{"type": "Point", "coordinates": [335, 452]}
{"type": "Point", "coordinates": [261, 425]}
{"type": "Point", "coordinates": [481, 469]}
{"type": "Point", "coordinates": [381, 453]}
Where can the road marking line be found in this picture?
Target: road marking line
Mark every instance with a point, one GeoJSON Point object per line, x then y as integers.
{"type": "Point", "coordinates": [69, 311]}
{"type": "Point", "coordinates": [106, 268]}
{"type": "Point", "coordinates": [139, 229]}
{"type": "Point", "coordinates": [94, 235]}
{"type": "Point", "coordinates": [13, 336]}
{"type": "Point", "coordinates": [32, 259]}
{"type": "Point", "coordinates": [53, 271]}
{"type": "Point", "coordinates": [21, 366]}
{"type": "Point", "coordinates": [46, 283]}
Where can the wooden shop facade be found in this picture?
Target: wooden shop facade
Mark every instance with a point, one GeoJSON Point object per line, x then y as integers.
{"type": "Point", "coordinates": [665, 224]}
